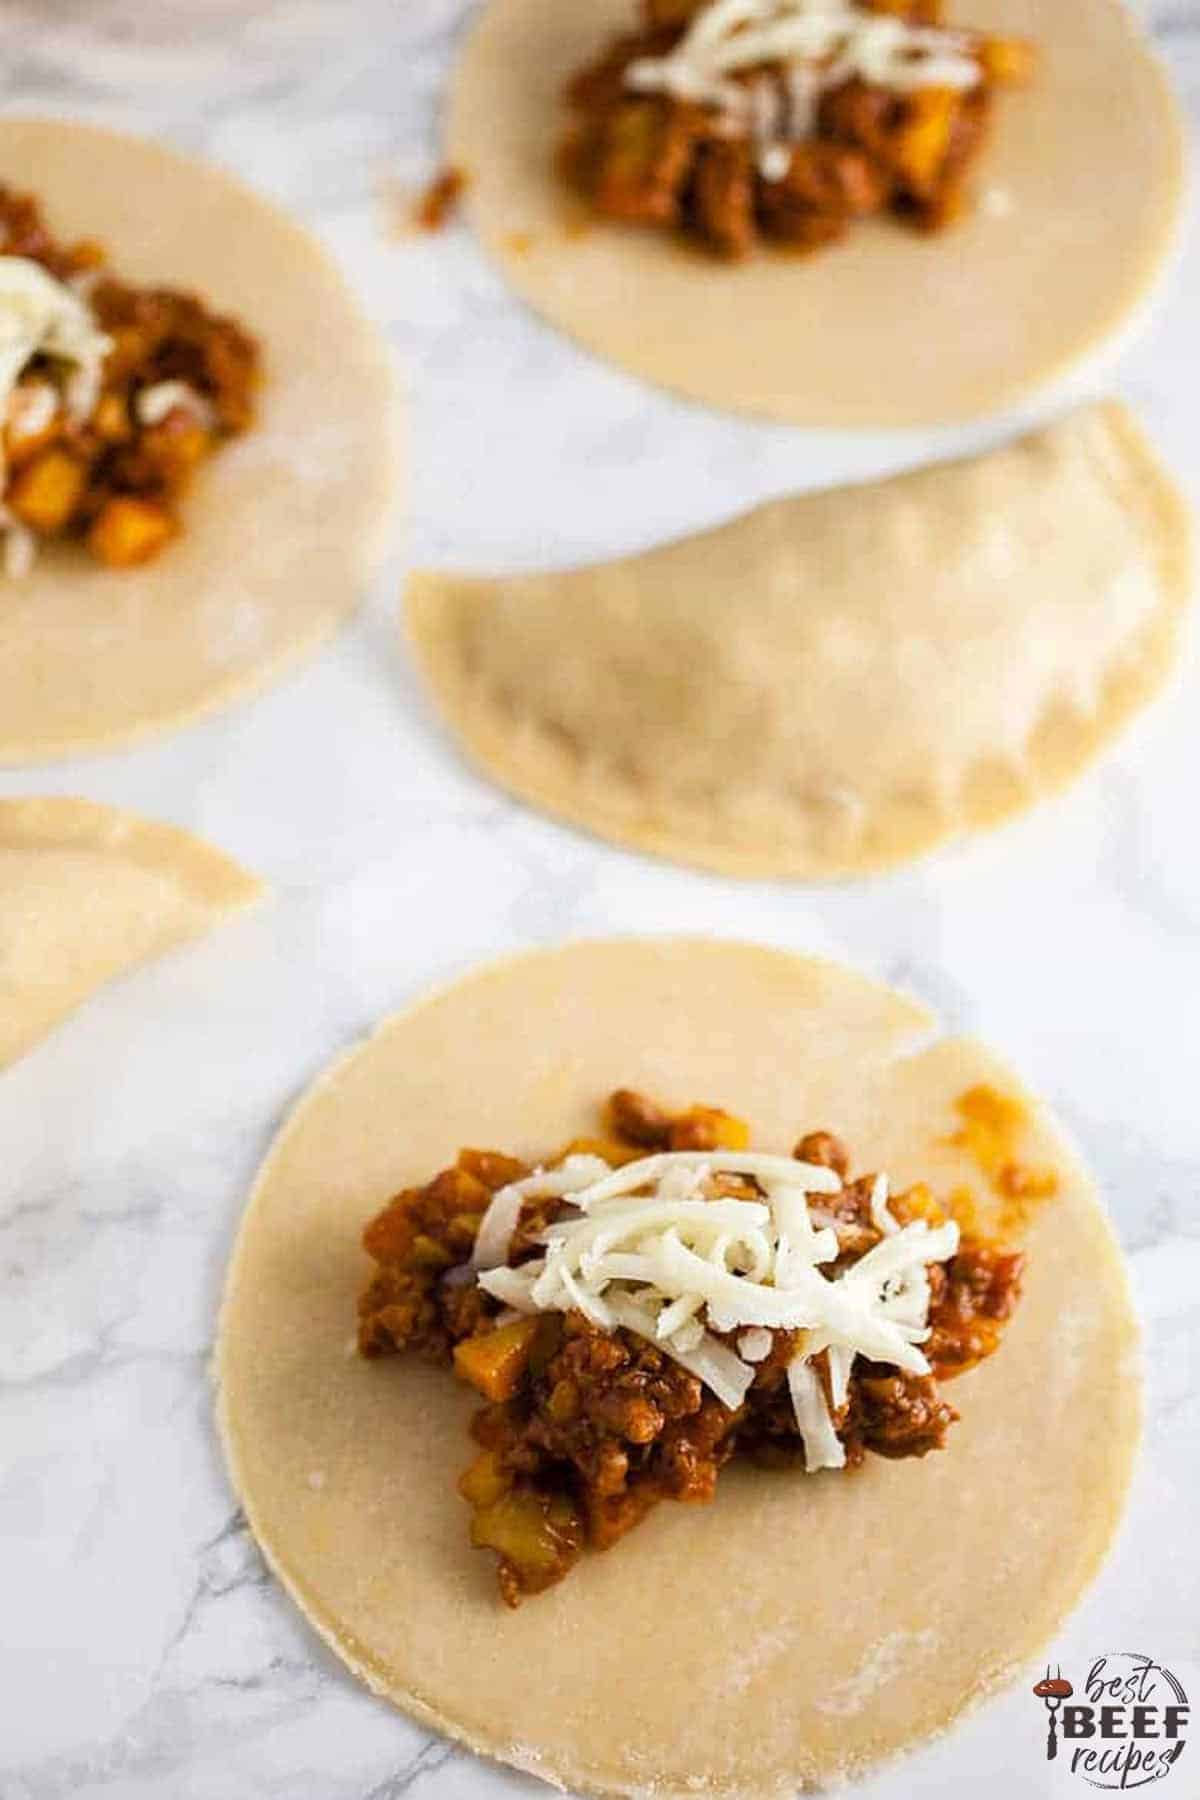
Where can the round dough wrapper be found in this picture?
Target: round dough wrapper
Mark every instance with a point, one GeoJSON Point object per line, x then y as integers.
{"type": "Point", "coordinates": [838, 681]}
{"type": "Point", "coordinates": [283, 527]}
{"type": "Point", "coordinates": [1078, 196]}
{"type": "Point", "coordinates": [86, 892]}
{"type": "Point", "coordinates": [798, 1628]}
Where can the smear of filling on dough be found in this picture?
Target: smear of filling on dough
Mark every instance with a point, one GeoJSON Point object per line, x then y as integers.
{"type": "Point", "coordinates": [111, 397]}
{"type": "Point", "coordinates": [645, 1305]}
{"type": "Point", "coordinates": [733, 120]}
{"type": "Point", "coordinates": [439, 202]}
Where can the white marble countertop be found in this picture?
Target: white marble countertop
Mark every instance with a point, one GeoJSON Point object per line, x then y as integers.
{"type": "Point", "coordinates": [144, 1654]}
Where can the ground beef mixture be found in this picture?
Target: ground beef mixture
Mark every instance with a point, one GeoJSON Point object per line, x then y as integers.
{"type": "Point", "coordinates": [178, 381]}
{"type": "Point", "coordinates": [651, 159]}
{"type": "Point", "coordinates": [583, 1430]}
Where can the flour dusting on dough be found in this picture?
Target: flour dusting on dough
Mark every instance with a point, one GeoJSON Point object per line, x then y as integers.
{"type": "Point", "coordinates": [885, 1660]}
{"type": "Point", "coordinates": [765, 1649]}
{"type": "Point", "coordinates": [307, 458]}
{"type": "Point", "coordinates": [236, 629]}
{"type": "Point", "coordinates": [1077, 1324]}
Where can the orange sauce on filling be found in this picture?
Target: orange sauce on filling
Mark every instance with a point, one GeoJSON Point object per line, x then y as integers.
{"type": "Point", "coordinates": [992, 1125]}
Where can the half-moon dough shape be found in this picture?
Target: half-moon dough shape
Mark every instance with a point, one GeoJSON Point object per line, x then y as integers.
{"type": "Point", "coordinates": [86, 892]}
{"type": "Point", "coordinates": [283, 527]}
{"type": "Point", "coordinates": [837, 681]}
{"type": "Point", "coordinates": [1078, 198]}
{"type": "Point", "coordinates": [797, 1629]}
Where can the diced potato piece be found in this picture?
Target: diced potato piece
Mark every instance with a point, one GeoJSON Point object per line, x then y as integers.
{"type": "Point", "coordinates": [111, 419]}
{"type": "Point", "coordinates": [1007, 60]}
{"type": "Point", "coordinates": [388, 1237]}
{"type": "Point", "coordinates": [614, 1154]}
{"type": "Point", "coordinates": [496, 1362]}
{"type": "Point", "coordinates": [914, 12]}
{"type": "Point", "coordinates": [47, 490]}
{"type": "Point", "coordinates": [128, 530]}
{"type": "Point", "coordinates": [563, 1404]}
{"type": "Point", "coordinates": [920, 145]}
{"type": "Point", "coordinates": [491, 1168]}
{"type": "Point", "coordinates": [708, 1128]}
{"type": "Point", "coordinates": [88, 253]}
{"type": "Point", "coordinates": [176, 446]}
{"type": "Point", "coordinates": [917, 1202]}
{"type": "Point", "coordinates": [484, 1481]}
{"type": "Point", "coordinates": [457, 1190]}
{"type": "Point", "coordinates": [427, 1253]}
{"type": "Point", "coordinates": [461, 1231]}
{"type": "Point", "coordinates": [537, 1536]}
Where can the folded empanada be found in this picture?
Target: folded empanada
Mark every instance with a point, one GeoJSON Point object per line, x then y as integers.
{"type": "Point", "coordinates": [839, 680]}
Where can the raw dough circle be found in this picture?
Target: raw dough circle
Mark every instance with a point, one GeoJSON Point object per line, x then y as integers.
{"type": "Point", "coordinates": [889, 328]}
{"type": "Point", "coordinates": [283, 528]}
{"type": "Point", "coordinates": [797, 1629]}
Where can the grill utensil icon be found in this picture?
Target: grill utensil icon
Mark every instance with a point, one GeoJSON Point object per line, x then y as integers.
{"type": "Point", "coordinates": [1053, 1690]}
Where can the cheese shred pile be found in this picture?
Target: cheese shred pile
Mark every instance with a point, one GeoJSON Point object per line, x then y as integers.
{"type": "Point", "coordinates": [653, 1249]}
{"type": "Point", "coordinates": [819, 44]}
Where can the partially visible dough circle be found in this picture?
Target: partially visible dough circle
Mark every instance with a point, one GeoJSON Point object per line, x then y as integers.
{"type": "Point", "coordinates": [87, 891]}
{"type": "Point", "coordinates": [889, 328]}
{"type": "Point", "coordinates": [283, 528]}
{"type": "Point", "coordinates": [797, 1629]}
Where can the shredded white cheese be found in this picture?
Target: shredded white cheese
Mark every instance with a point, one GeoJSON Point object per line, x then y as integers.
{"type": "Point", "coordinates": [499, 1222]}
{"type": "Point", "coordinates": [823, 1448]}
{"type": "Point", "coordinates": [163, 397]}
{"type": "Point", "coordinates": [881, 1218]}
{"type": "Point", "coordinates": [651, 1247]}
{"type": "Point", "coordinates": [40, 314]}
{"type": "Point", "coordinates": [820, 44]}
{"type": "Point", "coordinates": [31, 408]}
{"type": "Point", "coordinates": [754, 1346]}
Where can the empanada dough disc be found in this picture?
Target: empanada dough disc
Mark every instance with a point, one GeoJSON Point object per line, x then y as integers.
{"type": "Point", "coordinates": [837, 681]}
{"type": "Point", "coordinates": [800, 1627]}
{"type": "Point", "coordinates": [88, 891]}
{"type": "Point", "coordinates": [1078, 197]}
{"type": "Point", "coordinates": [283, 527]}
